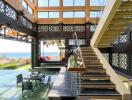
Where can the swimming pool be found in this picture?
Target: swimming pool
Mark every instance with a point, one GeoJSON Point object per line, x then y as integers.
{"type": "Point", "coordinates": [8, 77]}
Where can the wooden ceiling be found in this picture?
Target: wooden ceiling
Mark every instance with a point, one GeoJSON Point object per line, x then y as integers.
{"type": "Point", "coordinates": [118, 17]}
{"type": "Point", "coordinates": [17, 4]}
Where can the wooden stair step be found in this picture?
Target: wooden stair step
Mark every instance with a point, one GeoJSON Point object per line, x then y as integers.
{"type": "Point", "coordinates": [91, 60]}
{"type": "Point", "coordinates": [95, 77]}
{"type": "Point", "coordinates": [92, 64]}
{"type": "Point", "coordinates": [93, 53]}
{"type": "Point", "coordinates": [86, 47]}
{"type": "Point", "coordinates": [99, 94]}
{"type": "Point", "coordinates": [89, 56]}
{"type": "Point", "coordinates": [95, 71]}
{"type": "Point", "coordinates": [93, 68]}
{"type": "Point", "coordinates": [88, 51]}
{"type": "Point", "coordinates": [94, 81]}
{"type": "Point", "coordinates": [97, 85]}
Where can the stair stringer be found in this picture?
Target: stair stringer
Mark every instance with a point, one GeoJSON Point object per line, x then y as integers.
{"type": "Point", "coordinates": [120, 87]}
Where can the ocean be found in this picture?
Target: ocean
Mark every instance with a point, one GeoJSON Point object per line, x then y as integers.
{"type": "Point", "coordinates": [26, 55]}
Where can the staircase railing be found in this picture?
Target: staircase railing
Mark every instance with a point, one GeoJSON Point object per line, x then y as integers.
{"type": "Point", "coordinates": [114, 77]}
{"type": "Point", "coordinates": [74, 63]}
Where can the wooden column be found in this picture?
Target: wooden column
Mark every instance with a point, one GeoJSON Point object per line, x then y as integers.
{"type": "Point", "coordinates": [87, 10]}
{"type": "Point", "coordinates": [66, 50]}
{"type": "Point", "coordinates": [61, 11]}
{"type": "Point", "coordinates": [35, 50]}
{"type": "Point", "coordinates": [35, 10]}
{"type": "Point", "coordinates": [88, 34]}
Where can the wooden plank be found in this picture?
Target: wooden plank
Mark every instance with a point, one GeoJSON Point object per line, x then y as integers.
{"type": "Point", "coordinates": [65, 20]}
{"type": "Point", "coordinates": [75, 69]}
{"type": "Point", "coordinates": [72, 8]}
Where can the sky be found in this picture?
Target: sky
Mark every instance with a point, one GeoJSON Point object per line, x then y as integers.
{"type": "Point", "coordinates": [7, 46]}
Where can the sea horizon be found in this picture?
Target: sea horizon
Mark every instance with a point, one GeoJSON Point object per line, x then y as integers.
{"type": "Point", "coordinates": [25, 54]}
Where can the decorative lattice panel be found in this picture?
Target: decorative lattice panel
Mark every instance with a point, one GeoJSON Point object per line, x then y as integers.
{"type": "Point", "coordinates": [93, 28]}
{"type": "Point", "coordinates": [48, 28]}
{"type": "Point", "coordinates": [123, 38]}
{"type": "Point", "coordinates": [123, 61]}
{"type": "Point", "coordinates": [29, 24]}
{"type": "Point", "coordinates": [106, 55]}
{"type": "Point", "coordinates": [79, 28]}
{"type": "Point", "coordinates": [26, 22]}
{"type": "Point", "coordinates": [68, 28]}
{"type": "Point", "coordinates": [115, 59]}
{"type": "Point", "coordinates": [53, 28]}
{"type": "Point", "coordinates": [78, 42]}
{"type": "Point", "coordinates": [1, 6]}
{"type": "Point", "coordinates": [10, 12]}
{"type": "Point", "coordinates": [43, 28]}
{"type": "Point", "coordinates": [116, 41]}
{"type": "Point", "coordinates": [7, 10]}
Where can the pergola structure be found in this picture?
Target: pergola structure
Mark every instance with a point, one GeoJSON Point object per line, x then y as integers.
{"type": "Point", "coordinates": [21, 20]}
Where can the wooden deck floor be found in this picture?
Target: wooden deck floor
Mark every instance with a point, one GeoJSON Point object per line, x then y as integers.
{"type": "Point", "coordinates": [63, 86]}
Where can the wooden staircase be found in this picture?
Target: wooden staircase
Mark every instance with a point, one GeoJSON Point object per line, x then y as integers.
{"type": "Point", "coordinates": [95, 83]}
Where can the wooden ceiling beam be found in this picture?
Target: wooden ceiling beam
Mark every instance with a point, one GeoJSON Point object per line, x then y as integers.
{"type": "Point", "coordinates": [64, 20]}
{"type": "Point", "coordinates": [70, 8]}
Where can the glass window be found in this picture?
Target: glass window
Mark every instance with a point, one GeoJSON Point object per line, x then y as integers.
{"type": "Point", "coordinates": [24, 4]}
{"type": "Point", "coordinates": [30, 10]}
{"type": "Point", "coordinates": [94, 14]}
{"type": "Point", "coordinates": [31, 1]}
{"type": "Point", "coordinates": [79, 14]}
{"type": "Point", "coordinates": [67, 14]}
{"type": "Point", "coordinates": [53, 2]}
{"type": "Point", "coordinates": [79, 2]}
{"type": "Point", "coordinates": [42, 14]}
{"type": "Point", "coordinates": [97, 2]}
{"type": "Point", "coordinates": [43, 3]}
{"type": "Point", "coordinates": [68, 2]}
{"type": "Point", "coordinates": [53, 14]}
